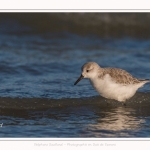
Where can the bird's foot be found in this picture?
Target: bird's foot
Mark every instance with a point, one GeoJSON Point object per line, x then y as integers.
{"type": "Point", "coordinates": [124, 104]}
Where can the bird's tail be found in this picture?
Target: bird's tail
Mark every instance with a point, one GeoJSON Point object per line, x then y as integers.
{"type": "Point", "coordinates": [144, 80]}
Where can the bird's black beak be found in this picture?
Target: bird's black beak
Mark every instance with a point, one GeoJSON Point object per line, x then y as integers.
{"type": "Point", "coordinates": [80, 78]}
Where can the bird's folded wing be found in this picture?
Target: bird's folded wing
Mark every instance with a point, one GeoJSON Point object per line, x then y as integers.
{"type": "Point", "coordinates": [120, 76]}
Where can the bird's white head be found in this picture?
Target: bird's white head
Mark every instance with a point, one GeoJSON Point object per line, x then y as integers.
{"type": "Point", "coordinates": [89, 70]}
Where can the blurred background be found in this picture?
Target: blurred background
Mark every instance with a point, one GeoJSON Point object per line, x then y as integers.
{"type": "Point", "coordinates": [135, 25]}
{"type": "Point", "coordinates": [41, 53]}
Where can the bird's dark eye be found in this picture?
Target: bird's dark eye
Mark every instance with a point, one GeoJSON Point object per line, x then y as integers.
{"type": "Point", "coordinates": [87, 70]}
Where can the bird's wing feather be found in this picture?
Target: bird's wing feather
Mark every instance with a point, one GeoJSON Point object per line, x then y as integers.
{"type": "Point", "coordinates": [120, 76]}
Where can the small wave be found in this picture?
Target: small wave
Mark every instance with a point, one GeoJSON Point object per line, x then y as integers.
{"type": "Point", "coordinates": [140, 99]}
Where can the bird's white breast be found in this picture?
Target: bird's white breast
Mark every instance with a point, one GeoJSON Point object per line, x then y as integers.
{"type": "Point", "coordinates": [108, 88]}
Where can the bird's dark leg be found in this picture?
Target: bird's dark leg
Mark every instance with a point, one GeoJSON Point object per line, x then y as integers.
{"type": "Point", "coordinates": [107, 103]}
{"type": "Point", "coordinates": [124, 104]}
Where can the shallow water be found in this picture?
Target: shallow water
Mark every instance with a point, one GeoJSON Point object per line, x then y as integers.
{"type": "Point", "coordinates": [38, 98]}
{"type": "Point", "coordinates": [89, 117]}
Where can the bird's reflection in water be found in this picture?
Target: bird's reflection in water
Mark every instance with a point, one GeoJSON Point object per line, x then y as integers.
{"type": "Point", "coordinates": [116, 122]}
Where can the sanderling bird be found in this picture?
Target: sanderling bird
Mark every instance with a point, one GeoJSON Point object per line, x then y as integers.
{"type": "Point", "coordinates": [111, 83]}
